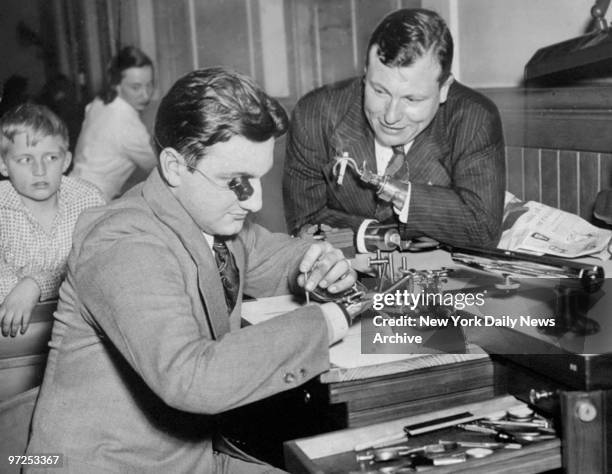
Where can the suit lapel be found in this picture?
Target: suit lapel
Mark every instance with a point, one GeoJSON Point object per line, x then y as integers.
{"type": "Point", "coordinates": [170, 212]}
{"type": "Point", "coordinates": [353, 133]}
{"type": "Point", "coordinates": [426, 158]}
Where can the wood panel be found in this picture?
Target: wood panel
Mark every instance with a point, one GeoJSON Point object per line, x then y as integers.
{"type": "Point", "coordinates": [568, 181]}
{"type": "Point", "coordinates": [335, 35]}
{"type": "Point", "coordinates": [550, 178]}
{"type": "Point", "coordinates": [368, 14]}
{"type": "Point", "coordinates": [514, 171]}
{"type": "Point", "coordinates": [532, 179]}
{"type": "Point", "coordinates": [588, 169]}
{"type": "Point", "coordinates": [562, 118]}
{"type": "Point", "coordinates": [174, 53]}
{"type": "Point", "coordinates": [222, 34]}
{"type": "Point", "coordinates": [606, 171]}
{"type": "Point", "coordinates": [302, 53]}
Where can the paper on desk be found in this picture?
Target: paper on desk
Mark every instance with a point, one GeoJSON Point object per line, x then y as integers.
{"type": "Point", "coordinates": [345, 354]}
{"type": "Point", "coordinates": [537, 228]}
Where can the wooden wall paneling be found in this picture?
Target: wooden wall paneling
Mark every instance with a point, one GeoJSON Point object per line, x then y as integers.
{"type": "Point", "coordinates": [270, 43]}
{"type": "Point", "coordinates": [568, 181]}
{"type": "Point", "coordinates": [410, 3]}
{"type": "Point", "coordinates": [302, 53]}
{"type": "Point", "coordinates": [562, 118]}
{"type": "Point", "coordinates": [222, 34]}
{"type": "Point", "coordinates": [368, 14]}
{"type": "Point", "coordinates": [550, 177]}
{"type": "Point", "coordinates": [174, 53]}
{"type": "Point", "coordinates": [605, 180]}
{"type": "Point", "coordinates": [334, 21]}
{"type": "Point", "coordinates": [514, 171]}
{"type": "Point", "coordinates": [532, 178]}
{"type": "Point", "coordinates": [589, 183]}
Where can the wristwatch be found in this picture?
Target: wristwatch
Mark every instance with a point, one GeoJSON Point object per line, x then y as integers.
{"type": "Point", "coordinates": [353, 302]}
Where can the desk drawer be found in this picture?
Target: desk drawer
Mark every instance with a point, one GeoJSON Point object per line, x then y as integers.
{"type": "Point", "coordinates": [334, 452]}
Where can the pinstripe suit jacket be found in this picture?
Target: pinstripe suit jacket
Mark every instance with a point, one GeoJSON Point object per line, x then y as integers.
{"type": "Point", "coordinates": [143, 353]}
{"type": "Point", "coordinates": [457, 167]}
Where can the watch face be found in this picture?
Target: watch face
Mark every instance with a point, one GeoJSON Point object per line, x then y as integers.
{"type": "Point", "coordinates": [356, 292]}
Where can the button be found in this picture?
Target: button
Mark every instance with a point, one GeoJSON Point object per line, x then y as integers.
{"type": "Point", "coordinates": [586, 411]}
{"type": "Point", "coordinates": [289, 377]}
{"type": "Point", "coordinates": [303, 373]}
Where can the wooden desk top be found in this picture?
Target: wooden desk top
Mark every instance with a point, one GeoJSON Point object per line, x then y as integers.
{"type": "Point", "coordinates": [348, 363]}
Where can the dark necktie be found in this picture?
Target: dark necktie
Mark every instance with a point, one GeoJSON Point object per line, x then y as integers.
{"type": "Point", "coordinates": [398, 165]}
{"type": "Point", "coordinates": [228, 271]}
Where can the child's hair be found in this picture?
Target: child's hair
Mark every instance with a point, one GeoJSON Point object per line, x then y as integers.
{"type": "Point", "coordinates": [37, 121]}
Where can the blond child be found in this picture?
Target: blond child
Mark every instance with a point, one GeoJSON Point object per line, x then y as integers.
{"type": "Point", "coordinates": [38, 210]}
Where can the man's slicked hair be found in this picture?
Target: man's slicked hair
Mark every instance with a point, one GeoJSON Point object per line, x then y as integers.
{"type": "Point", "coordinates": [405, 35]}
{"type": "Point", "coordinates": [211, 105]}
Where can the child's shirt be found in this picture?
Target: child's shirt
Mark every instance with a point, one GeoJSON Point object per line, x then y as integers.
{"type": "Point", "coordinates": [26, 249]}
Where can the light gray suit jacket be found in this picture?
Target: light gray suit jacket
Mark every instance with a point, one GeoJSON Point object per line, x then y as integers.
{"type": "Point", "coordinates": [144, 353]}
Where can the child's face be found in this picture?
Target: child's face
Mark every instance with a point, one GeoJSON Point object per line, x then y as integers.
{"type": "Point", "coordinates": [36, 170]}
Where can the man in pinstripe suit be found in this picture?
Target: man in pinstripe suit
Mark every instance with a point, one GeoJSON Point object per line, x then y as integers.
{"type": "Point", "coordinates": [454, 171]}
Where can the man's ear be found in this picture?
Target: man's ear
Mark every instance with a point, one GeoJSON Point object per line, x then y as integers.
{"type": "Point", "coordinates": [445, 87]}
{"type": "Point", "coordinates": [67, 161]}
{"type": "Point", "coordinates": [172, 166]}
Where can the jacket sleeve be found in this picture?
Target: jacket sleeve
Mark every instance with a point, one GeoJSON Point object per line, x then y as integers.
{"type": "Point", "coordinates": [160, 329]}
{"type": "Point", "coordinates": [470, 211]}
{"type": "Point", "coordinates": [272, 259]}
{"type": "Point", "coordinates": [307, 154]}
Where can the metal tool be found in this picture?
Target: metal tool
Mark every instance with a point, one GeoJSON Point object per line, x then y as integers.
{"type": "Point", "coordinates": [306, 292]}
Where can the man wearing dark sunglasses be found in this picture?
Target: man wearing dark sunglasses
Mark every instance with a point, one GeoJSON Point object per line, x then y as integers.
{"type": "Point", "coordinates": [147, 346]}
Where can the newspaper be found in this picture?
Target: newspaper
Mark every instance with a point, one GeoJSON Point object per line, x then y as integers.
{"type": "Point", "coordinates": [536, 228]}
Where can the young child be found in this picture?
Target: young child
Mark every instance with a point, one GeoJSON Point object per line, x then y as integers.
{"type": "Point", "coordinates": [38, 210]}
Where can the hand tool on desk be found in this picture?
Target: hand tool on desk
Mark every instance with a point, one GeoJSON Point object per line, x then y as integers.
{"type": "Point", "coordinates": [306, 292]}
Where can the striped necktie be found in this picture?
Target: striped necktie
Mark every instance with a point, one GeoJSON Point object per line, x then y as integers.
{"type": "Point", "coordinates": [228, 271]}
{"type": "Point", "coordinates": [398, 165]}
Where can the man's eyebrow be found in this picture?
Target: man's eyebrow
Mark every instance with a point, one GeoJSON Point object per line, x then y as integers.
{"type": "Point", "coordinates": [378, 85]}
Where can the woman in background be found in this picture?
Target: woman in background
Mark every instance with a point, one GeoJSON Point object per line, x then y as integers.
{"type": "Point", "coordinates": [114, 141]}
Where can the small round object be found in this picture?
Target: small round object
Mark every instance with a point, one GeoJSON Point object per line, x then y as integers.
{"type": "Point", "coordinates": [479, 452]}
{"type": "Point", "coordinates": [520, 414]}
{"type": "Point", "coordinates": [586, 411]}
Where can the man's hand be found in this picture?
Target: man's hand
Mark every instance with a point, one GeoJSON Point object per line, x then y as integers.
{"type": "Point", "coordinates": [313, 231]}
{"type": "Point", "coordinates": [16, 310]}
{"type": "Point", "coordinates": [327, 268]}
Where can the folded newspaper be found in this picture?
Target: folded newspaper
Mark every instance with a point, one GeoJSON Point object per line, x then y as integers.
{"type": "Point", "coordinates": [536, 228]}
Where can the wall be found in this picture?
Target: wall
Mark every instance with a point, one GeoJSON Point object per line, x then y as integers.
{"type": "Point", "coordinates": [288, 46]}
{"type": "Point", "coordinates": [293, 46]}
{"type": "Point", "coordinates": [559, 149]}
{"type": "Point", "coordinates": [496, 38]}
{"type": "Point", "coordinates": [18, 58]}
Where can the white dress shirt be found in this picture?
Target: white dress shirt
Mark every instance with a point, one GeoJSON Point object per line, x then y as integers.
{"type": "Point", "coordinates": [112, 143]}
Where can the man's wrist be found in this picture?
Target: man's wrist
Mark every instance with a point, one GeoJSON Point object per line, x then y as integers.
{"type": "Point", "coordinates": [337, 323]}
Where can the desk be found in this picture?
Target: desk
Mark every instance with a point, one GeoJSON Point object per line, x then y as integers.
{"type": "Point", "coordinates": [368, 388]}
{"type": "Point", "coordinates": [364, 388]}
{"type": "Point", "coordinates": [334, 452]}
